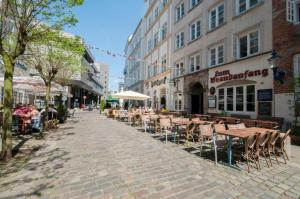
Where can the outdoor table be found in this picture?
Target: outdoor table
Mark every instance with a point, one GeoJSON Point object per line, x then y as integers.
{"type": "Point", "coordinates": [202, 116]}
{"type": "Point", "coordinates": [239, 133]}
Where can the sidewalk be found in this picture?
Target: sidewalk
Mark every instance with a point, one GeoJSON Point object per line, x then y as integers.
{"type": "Point", "coordinates": [95, 157]}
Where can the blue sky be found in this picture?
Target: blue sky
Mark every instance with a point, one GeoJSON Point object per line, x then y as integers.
{"type": "Point", "coordinates": [107, 24]}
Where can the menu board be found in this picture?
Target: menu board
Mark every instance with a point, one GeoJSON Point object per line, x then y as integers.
{"type": "Point", "coordinates": [211, 101]}
{"type": "Point", "coordinates": [265, 95]}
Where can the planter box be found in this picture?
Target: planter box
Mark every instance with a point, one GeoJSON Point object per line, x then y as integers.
{"type": "Point", "coordinates": [295, 140]}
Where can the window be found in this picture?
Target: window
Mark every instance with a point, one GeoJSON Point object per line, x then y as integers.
{"type": "Point", "coordinates": [180, 40]}
{"type": "Point", "coordinates": [179, 70]}
{"type": "Point", "coordinates": [229, 99]}
{"type": "Point", "coordinates": [216, 17]}
{"type": "Point", "coordinates": [155, 68]}
{"type": "Point", "coordinates": [251, 98]}
{"type": "Point", "coordinates": [239, 93]}
{"type": "Point", "coordinates": [177, 103]}
{"type": "Point", "coordinates": [235, 97]}
{"type": "Point", "coordinates": [293, 11]}
{"type": "Point", "coordinates": [244, 5]}
{"type": "Point", "coordinates": [179, 11]}
{"type": "Point", "coordinates": [195, 30]}
{"type": "Point", "coordinates": [155, 40]}
{"type": "Point", "coordinates": [164, 31]}
{"type": "Point", "coordinates": [248, 44]}
{"type": "Point", "coordinates": [156, 11]}
{"type": "Point", "coordinates": [216, 55]}
{"type": "Point", "coordinates": [195, 63]}
{"type": "Point", "coordinates": [164, 63]}
{"type": "Point", "coordinates": [149, 71]}
{"type": "Point", "coordinates": [164, 3]}
{"type": "Point", "coordinates": [221, 99]}
{"type": "Point", "coordinates": [149, 45]}
{"type": "Point", "coordinates": [193, 3]}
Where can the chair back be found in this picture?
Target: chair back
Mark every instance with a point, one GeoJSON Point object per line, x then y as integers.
{"type": "Point", "coordinates": [262, 140]}
{"type": "Point", "coordinates": [250, 143]}
{"type": "Point", "coordinates": [282, 140]}
{"type": "Point", "coordinates": [165, 123]}
{"type": "Point", "coordinates": [206, 130]}
{"type": "Point", "coordinates": [273, 138]}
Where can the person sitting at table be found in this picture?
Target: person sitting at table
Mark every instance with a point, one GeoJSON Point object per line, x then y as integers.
{"type": "Point", "coordinates": [35, 118]}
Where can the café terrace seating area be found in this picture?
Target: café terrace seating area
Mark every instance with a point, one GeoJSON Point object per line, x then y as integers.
{"type": "Point", "coordinates": [238, 142]}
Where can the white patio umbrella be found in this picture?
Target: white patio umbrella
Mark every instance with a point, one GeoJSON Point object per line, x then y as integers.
{"type": "Point", "coordinates": [130, 95]}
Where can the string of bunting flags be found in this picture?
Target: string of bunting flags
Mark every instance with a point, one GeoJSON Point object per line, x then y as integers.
{"type": "Point", "coordinates": [114, 54]}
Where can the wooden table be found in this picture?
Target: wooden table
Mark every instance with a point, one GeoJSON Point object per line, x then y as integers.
{"type": "Point", "coordinates": [240, 133]}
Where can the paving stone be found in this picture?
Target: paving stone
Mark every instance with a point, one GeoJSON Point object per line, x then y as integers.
{"type": "Point", "coordinates": [95, 157]}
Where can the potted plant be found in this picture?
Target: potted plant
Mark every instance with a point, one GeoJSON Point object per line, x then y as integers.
{"type": "Point", "coordinates": [62, 113]}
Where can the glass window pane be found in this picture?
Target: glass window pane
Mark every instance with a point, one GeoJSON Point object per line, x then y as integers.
{"type": "Point", "coordinates": [221, 15]}
{"type": "Point", "coordinates": [213, 57]}
{"type": "Point", "coordinates": [254, 42]}
{"type": "Point", "coordinates": [229, 99]}
{"type": "Point", "coordinates": [213, 18]}
{"type": "Point", "coordinates": [251, 98]}
{"type": "Point", "coordinates": [242, 6]}
{"type": "Point", "coordinates": [253, 2]}
{"type": "Point", "coordinates": [239, 98]}
{"type": "Point", "coordinates": [243, 47]}
{"type": "Point", "coordinates": [221, 99]}
{"type": "Point", "coordinates": [220, 54]}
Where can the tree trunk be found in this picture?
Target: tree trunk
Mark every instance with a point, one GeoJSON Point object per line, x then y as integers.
{"type": "Point", "coordinates": [47, 98]}
{"type": "Point", "coordinates": [6, 153]}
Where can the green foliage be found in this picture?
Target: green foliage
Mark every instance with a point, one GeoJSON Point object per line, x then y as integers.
{"type": "Point", "coordinates": [102, 105]}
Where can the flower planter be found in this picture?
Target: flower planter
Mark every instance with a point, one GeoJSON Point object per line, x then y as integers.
{"type": "Point", "coordinates": [295, 140]}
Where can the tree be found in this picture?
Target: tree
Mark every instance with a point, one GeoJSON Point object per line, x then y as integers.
{"type": "Point", "coordinates": [56, 58]}
{"type": "Point", "coordinates": [21, 23]}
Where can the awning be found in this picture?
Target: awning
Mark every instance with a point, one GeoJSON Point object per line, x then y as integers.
{"type": "Point", "coordinates": [130, 95]}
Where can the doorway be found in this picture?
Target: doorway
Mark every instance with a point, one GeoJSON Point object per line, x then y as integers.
{"type": "Point", "coordinates": [197, 98]}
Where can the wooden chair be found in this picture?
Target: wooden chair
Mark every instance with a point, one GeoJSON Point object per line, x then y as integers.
{"type": "Point", "coordinates": [260, 147]}
{"type": "Point", "coordinates": [246, 151]}
{"type": "Point", "coordinates": [280, 145]}
{"type": "Point", "coordinates": [271, 146]}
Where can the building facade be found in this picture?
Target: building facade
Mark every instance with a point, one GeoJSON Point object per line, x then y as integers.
{"type": "Point", "coordinates": [103, 75]}
{"type": "Point", "coordinates": [134, 67]}
{"type": "Point", "coordinates": [157, 25]}
{"type": "Point", "coordinates": [86, 87]}
{"type": "Point", "coordinates": [214, 56]}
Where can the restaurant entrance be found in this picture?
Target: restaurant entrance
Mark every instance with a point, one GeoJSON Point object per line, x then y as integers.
{"type": "Point", "coordinates": [197, 98]}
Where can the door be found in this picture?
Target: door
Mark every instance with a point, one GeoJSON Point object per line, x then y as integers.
{"type": "Point", "coordinates": [195, 104]}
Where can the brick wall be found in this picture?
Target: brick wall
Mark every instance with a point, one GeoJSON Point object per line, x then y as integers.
{"type": "Point", "coordinates": [286, 41]}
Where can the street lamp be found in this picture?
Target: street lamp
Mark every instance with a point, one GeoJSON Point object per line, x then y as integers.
{"type": "Point", "coordinates": [273, 62]}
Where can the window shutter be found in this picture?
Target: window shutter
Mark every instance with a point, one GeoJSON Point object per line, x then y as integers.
{"type": "Point", "coordinates": [234, 46]}
{"type": "Point", "coordinates": [290, 10]}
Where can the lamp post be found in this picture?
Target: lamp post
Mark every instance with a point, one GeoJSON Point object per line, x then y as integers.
{"type": "Point", "coordinates": [273, 62]}
{"type": "Point", "coordinates": [278, 75]}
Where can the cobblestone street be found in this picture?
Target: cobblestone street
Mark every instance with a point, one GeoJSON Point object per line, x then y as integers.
{"type": "Point", "coordinates": [94, 157]}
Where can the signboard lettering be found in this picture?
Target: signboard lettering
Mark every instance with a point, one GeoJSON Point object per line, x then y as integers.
{"type": "Point", "coordinates": [221, 76]}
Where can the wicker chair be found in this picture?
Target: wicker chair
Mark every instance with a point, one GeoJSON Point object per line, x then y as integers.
{"type": "Point", "coordinates": [246, 151]}
{"type": "Point", "coordinates": [280, 145]}
{"type": "Point", "coordinates": [165, 126]}
{"type": "Point", "coordinates": [271, 146]}
{"type": "Point", "coordinates": [260, 147]}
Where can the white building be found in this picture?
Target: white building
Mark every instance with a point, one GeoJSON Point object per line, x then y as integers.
{"type": "Point", "coordinates": [134, 70]}
{"type": "Point", "coordinates": [157, 24]}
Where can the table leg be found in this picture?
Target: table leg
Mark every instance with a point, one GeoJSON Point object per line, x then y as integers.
{"type": "Point", "coordinates": [166, 136]}
{"type": "Point", "coordinates": [145, 124]}
{"type": "Point", "coordinates": [229, 150]}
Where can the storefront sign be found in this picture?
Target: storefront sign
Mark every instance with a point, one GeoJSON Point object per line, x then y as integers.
{"type": "Point", "coordinates": [221, 76]}
{"type": "Point", "coordinates": [158, 82]}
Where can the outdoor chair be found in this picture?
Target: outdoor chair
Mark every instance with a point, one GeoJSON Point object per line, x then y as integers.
{"type": "Point", "coordinates": [267, 124]}
{"type": "Point", "coordinates": [165, 126]}
{"type": "Point", "coordinates": [15, 124]}
{"type": "Point", "coordinates": [207, 136]}
{"type": "Point", "coordinates": [189, 132]}
{"type": "Point", "coordinates": [246, 151]}
{"type": "Point", "coordinates": [271, 146]}
{"type": "Point", "coordinates": [145, 121]}
{"type": "Point", "coordinates": [260, 147]}
{"type": "Point", "coordinates": [71, 114]}
{"type": "Point", "coordinates": [280, 145]}
{"type": "Point", "coordinates": [249, 122]}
